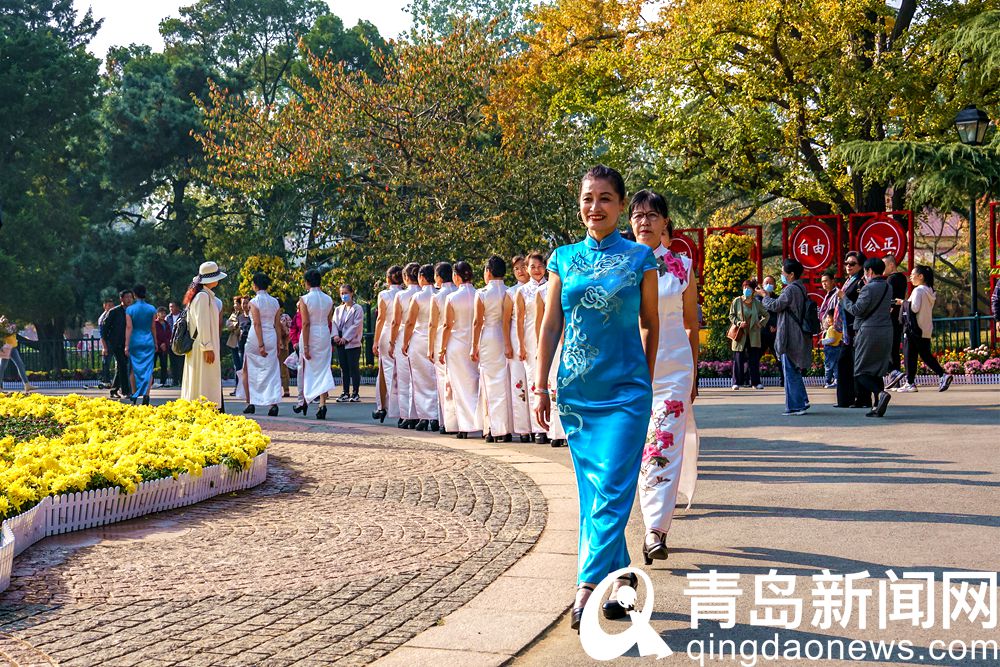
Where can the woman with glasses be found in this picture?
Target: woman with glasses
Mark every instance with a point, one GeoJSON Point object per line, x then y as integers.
{"type": "Point", "coordinates": [670, 458]}
{"type": "Point", "coordinates": [847, 394]}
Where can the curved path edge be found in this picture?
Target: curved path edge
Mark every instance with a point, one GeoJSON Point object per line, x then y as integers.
{"type": "Point", "coordinates": [523, 602]}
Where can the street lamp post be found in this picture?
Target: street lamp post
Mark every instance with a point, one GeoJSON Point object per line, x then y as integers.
{"type": "Point", "coordinates": [971, 124]}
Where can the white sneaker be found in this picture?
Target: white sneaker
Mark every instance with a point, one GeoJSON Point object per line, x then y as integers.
{"type": "Point", "coordinates": [759, 387]}
{"type": "Point", "coordinates": [945, 382]}
{"type": "Point", "coordinates": [736, 387]}
{"type": "Point", "coordinates": [829, 385]}
{"type": "Point", "coordinates": [906, 388]}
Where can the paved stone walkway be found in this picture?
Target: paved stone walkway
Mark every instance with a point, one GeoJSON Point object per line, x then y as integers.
{"type": "Point", "coordinates": [355, 544]}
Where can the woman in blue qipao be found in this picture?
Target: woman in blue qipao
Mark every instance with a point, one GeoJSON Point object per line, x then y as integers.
{"type": "Point", "coordinates": [604, 289]}
{"type": "Point", "coordinates": [140, 344]}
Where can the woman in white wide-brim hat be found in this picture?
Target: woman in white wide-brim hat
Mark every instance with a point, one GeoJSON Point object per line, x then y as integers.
{"type": "Point", "coordinates": [203, 365]}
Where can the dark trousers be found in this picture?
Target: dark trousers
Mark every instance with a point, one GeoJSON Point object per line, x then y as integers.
{"type": "Point", "coordinates": [846, 391]}
{"type": "Point", "coordinates": [920, 347]}
{"type": "Point", "coordinates": [106, 368]}
{"type": "Point", "coordinates": [897, 341]}
{"type": "Point", "coordinates": [747, 362]}
{"type": "Point", "coordinates": [237, 358]}
{"type": "Point", "coordinates": [121, 381]}
{"type": "Point", "coordinates": [164, 361]}
{"type": "Point", "coordinates": [350, 368]}
{"type": "Point", "coordinates": [176, 368]}
{"type": "Point", "coordinates": [869, 387]}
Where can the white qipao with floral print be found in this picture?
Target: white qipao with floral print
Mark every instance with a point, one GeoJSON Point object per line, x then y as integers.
{"type": "Point", "coordinates": [604, 390]}
{"type": "Point", "coordinates": [670, 458]}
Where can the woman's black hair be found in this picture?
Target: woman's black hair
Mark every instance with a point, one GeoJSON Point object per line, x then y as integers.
{"type": "Point", "coordinates": [348, 286]}
{"type": "Point", "coordinates": [427, 272]}
{"type": "Point", "coordinates": [927, 273]}
{"type": "Point", "coordinates": [464, 271]}
{"type": "Point", "coordinates": [655, 202]}
{"type": "Point", "coordinates": [496, 266]}
{"type": "Point", "coordinates": [876, 265]}
{"type": "Point", "coordinates": [443, 271]}
{"type": "Point", "coordinates": [794, 267]}
{"type": "Point", "coordinates": [261, 280]}
{"type": "Point", "coordinates": [751, 283]}
{"type": "Point", "coordinates": [410, 271]}
{"type": "Point", "coordinates": [313, 278]}
{"type": "Point", "coordinates": [394, 274]}
{"type": "Point", "coordinates": [139, 291]}
{"type": "Point", "coordinates": [602, 172]}
{"type": "Point", "coordinates": [858, 255]}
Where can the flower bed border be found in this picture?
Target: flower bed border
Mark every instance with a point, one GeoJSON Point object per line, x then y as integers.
{"type": "Point", "coordinates": [74, 511]}
{"type": "Point", "coordinates": [818, 381]}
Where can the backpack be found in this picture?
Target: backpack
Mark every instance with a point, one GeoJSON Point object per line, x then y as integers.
{"type": "Point", "coordinates": [181, 340]}
{"type": "Point", "coordinates": [809, 323]}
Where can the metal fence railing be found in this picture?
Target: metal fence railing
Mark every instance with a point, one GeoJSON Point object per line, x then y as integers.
{"type": "Point", "coordinates": [955, 333]}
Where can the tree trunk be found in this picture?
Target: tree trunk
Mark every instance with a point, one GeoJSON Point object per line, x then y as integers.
{"type": "Point", "coordinates": [51, 346]}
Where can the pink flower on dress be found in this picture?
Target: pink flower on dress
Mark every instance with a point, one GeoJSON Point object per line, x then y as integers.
{"type": "Point", "coordinates": [676, 407]}
{"type": "Point", "coordinates": [665, 439]}
{"type": "Point", "coordinates": [675, 265]}
{"type": "Point", "coordinates": [652, 451]}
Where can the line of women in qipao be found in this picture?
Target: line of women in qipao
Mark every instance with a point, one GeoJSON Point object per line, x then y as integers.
{"type": "Point", "coordinates": [597, 347]}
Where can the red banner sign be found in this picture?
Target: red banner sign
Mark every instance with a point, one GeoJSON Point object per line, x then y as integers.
{"type": "Point", "coordinates": [816, 241]}
{"type": "Point", "coordinates": [884, 233]}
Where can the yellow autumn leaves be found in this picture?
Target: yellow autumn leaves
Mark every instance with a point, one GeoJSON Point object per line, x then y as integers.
{"type": "Point", "coordinates": [105, 444]}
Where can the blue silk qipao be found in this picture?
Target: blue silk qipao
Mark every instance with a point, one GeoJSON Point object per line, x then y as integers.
{"type": "Point", "coordinates": [604, 391]}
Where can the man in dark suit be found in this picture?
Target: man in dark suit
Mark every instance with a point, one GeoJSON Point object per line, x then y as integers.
{"type": "Point", "coordinates": [897, 283]}
{"type": "Point", "coordinates": [847, 393]}
{"type": "Point", "coordinates": [113, 335]}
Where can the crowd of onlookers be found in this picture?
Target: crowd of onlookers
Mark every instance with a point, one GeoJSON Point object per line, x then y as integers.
{"type": "Point", "coordinates": [874, 330]}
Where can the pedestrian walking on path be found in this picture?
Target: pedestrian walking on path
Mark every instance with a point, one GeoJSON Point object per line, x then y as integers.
{"type": "Point", "coordinates": [140, 344]}
{"type": "Point", "coordinates": [203, 364]}
{"type": "Point", "coordinates": [918, 323]}
{"type": "Point", "coordinates": [261, 365]}
{"type": "Point", "coordinates": [604, 290]}
{"type": "Point", "coordinates": [792, 343]}
{"type": "Point", "coordinates": [316, 309]}
{"type": "Point", "coordinates": [873, 336]}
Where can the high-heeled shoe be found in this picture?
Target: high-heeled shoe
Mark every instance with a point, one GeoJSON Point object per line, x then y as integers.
{"type": "Point", "coordinates": [379, 415]}
{"type": "Point", "coordinates": [525, 437]}
{"type": "Point", "coordinates": [489, 438]}
{"type": "Point", "coordinates": [435, 425]}
{"type": "Point", "coordinates": [411, 424]}
{"type": "Point", "coordinates": [655, 548]}
{"type": "Point", "coordinates": [421, 425]}
{"type": "Point", "coordinates": [462, 435]}
{"type": "Point", "coordinates": [249, 410]}
{"type": "Point", "coordinates": [557, 442]}
{"type": "Point", "coordinates": [145, 400]}
{"type": "Point", "coordinates": [613, 609]}
{"type": "Point", "coordinates": [541, 438]}
{"type": "Point", "coordinates": [273, 412]}
{"type": "Point", "coordinates": [401, 423]}
{"type": "Point", "coordinates": [321, 413]}
{"type": "Point", "coordinates": [577, 613]}
{"type": "Point", "coordinates": [301, 408]}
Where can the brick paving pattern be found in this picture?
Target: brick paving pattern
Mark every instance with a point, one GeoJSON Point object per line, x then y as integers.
{"type": "Point", "coordinates": [355, 544]}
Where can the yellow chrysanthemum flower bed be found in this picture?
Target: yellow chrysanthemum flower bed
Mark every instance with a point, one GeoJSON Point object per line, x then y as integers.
{"type": "Point", "coordinates": [63, 444]}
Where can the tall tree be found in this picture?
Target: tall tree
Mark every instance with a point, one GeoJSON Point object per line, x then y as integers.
{"type": "Point", "coordinates": [48, 86]}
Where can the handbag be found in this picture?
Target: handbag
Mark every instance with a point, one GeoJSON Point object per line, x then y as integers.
{"type": "Point", "coordinates": [735, 333]}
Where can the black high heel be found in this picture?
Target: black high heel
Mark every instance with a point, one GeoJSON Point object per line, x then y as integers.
{"type": "Point", "coordinates": [655, 551]}
{"type": "Point", "coordinates": [461, 435]}
{"type": "Point", "coordinates": [613, 609]}
{"type": "Point", "coordinates": [249, 410]}
{"type": "Point", "coordinates": [489, 438]}
{"type": "Point", "coordinates": [577, 614]}
{"type": "Point", "coordinates": [421, 425]}
{"type": "Point", "coordinates": [321, 413]}
{"type": "Point", "coordinates": [302, 408]}
{"type": "Point", "coordinates": [145, 400]}
{"type": "Point", "coordinates": [273, 412]}
{"type": "Point", "coordinates": [411, 424]}
{"type": "Point", "coordinates": [379, 415]}
{"type": "Point", "coordinates": [435, 425]}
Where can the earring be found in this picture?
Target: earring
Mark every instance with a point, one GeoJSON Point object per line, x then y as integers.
{"type": "Point", "coordinates": [579, 216]}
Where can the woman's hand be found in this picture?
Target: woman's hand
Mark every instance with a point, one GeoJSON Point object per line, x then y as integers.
{"type": "Point", "coordinates": [508, 351]}
{"type": "Point", "coordinates": [305, 353]}
{"type": "Point", "coordinates": [374, 349]}
{"type": "Point", "coordinates": [523, 356]}
{"type": "Point", "coordinates": [262, 350]}
{"type": "Point", "coordinates": [543, 410]}
{"type": "Point", "coordinates": [208, 356]}
{"type": "Point", "coordinates": [406, 350]}
{"type": "Point", "coordinates": [475, 355]}
{"type": "Point", "coordinates": [126, 350]}
{"type": "Point", "coordinates": [441, 356]}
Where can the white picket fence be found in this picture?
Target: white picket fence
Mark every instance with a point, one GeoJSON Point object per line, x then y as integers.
{"type": "Point", "coordinates": [814, 381]}
{"type": "Point", "coordinates": [75, 511]}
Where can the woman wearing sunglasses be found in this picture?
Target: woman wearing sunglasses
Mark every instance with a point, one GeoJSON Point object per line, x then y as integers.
{"type": "Point", "coordinates": [847, 392]}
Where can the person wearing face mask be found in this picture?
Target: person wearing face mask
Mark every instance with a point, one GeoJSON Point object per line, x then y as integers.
{"type": "Point", "coordinates": [918, 327]}
{"type": "Point", "coordinates": [527, 341]}
{"type": "Point", "coordinates": [416, 348]}
{"type": "Point", "coordinates": [872, 335]}
{"type": "Point", "coordinates": [749, 317]}
{"type": "Point", "coordinates": [520, 417]}
{"type": "Point", "coordinates": [770, 330]}
{"type": "Point", "coordinates": [791, 342]}
{"type": "Point", "coordinates": [847, 393]}
{"type": "Point", "coordinates": [348, 322]}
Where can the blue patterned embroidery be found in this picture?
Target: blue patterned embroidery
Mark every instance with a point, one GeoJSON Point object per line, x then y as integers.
{"type": "Point", "coordinates": [566, 414]}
